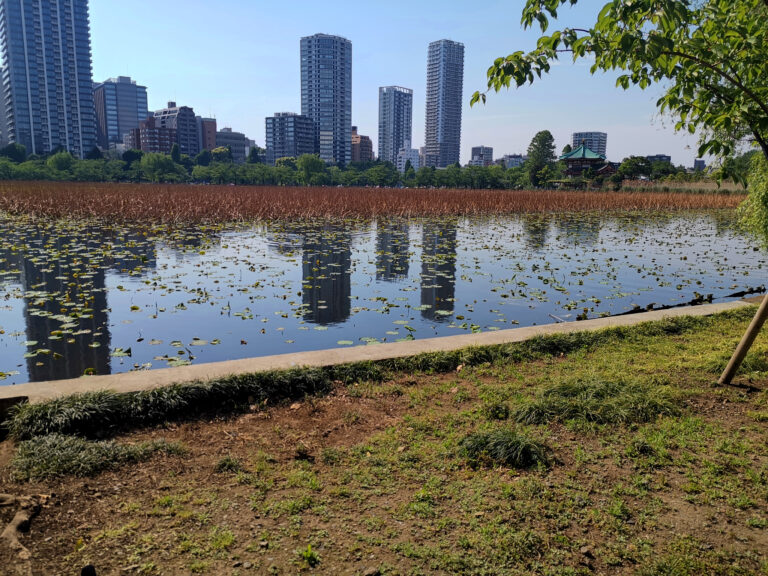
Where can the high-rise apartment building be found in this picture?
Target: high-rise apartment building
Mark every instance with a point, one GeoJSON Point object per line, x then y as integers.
{"type": "Point", "coordinates": [326, 93]}
{"type": "Point", "coordinates": [395, 121]}
{"type": "Point", "coordinates": [445, 85]}
{"type": "Point", "coordinates": [183, 120]}
{"type": "Point", "coordinates": [47, 81]}
{"type": "Point", "coordinates": [595, 141]}
{"type": "Point", "coordinates": [362, 147]}
{"type": "Point", "coordinates": [121, 105]}
{"type": "Point", "coordinates": [290, 135]}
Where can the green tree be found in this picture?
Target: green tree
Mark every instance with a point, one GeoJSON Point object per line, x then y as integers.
{"type": "Point", "coordinates": [541, 154]}
{"type": "Point", "coordinates": [130, 156]}
{"type": "Point", "coordinates": [204, 158]}
{"type": "Point", "coordinates": [176, 153]}
{"type": "Point", "coordinates": [310, 165]}
{"type": "Point", "coordinates": [256, 155]}
{"type": "Point", "coordinates": [61, 162]}
{"type": "Point", "coordinates": [634, 167]}
{"type": "Point", "coordinates": [286, 162]}
{"type": "Point", "coordinates": [159, 168]}
{"type": "Point", "coordinates": [222, 154]}
{"type": "Point", "coordinates": [94, 154]}
{"type": "Point", "coordinates": [710, 58]}
{"type": "Point", "coordinates": [15, 152]}
{"type": "Point", "coordinates": [567, 149]}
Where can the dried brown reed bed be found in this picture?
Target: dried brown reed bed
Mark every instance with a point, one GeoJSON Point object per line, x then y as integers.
{"type": "Point", "coordinates": [189, 203]}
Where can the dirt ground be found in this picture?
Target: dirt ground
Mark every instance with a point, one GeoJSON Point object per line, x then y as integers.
{"type": "Point", "coordinates": [368, 481]}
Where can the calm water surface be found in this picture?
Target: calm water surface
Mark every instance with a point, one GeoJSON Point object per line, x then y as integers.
{"type": "Point", "coordinates": [78, 298]}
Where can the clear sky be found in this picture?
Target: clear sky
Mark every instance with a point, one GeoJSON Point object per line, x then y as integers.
{"type": "Point", "coordinates": [238, 61]}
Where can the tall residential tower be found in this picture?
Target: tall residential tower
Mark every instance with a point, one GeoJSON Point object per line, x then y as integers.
{"type": "Point", "coordinates": [395, 121]}
{"type": "Point", "coordinates": [47, 82]}
{"type": "Point", "coordinates": [445, 84]}
{"type": "Point", "coordinates": [326, 93]}
{"type": "Point", "coordinates": [595, 141]}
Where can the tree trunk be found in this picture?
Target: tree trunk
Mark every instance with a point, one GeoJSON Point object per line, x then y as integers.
{"type": "Point", "coordinates": [746, 343]}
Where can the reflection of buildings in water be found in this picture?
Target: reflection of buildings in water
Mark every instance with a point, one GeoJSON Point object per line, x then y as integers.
{"type": "Point", "coordinates": [132, 254]}
{"type": "Point", "coordinates": [72, 285]}
{"type": "Point", "coordinates": [438, 268]}
{"type": "Point", "coordinates": [579, 229]}
{"type": "Point", "coordinates": [69, 270]}
{"type": "Point", "coordinates": [327, 274]}
{"type": "Point", "coordinates": [535, 229]}
{"type": "Point", "coordinates": [392, 244]}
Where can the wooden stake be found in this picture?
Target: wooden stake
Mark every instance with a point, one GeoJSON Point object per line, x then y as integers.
{"type": "Point", "coordinates": [746, 343]}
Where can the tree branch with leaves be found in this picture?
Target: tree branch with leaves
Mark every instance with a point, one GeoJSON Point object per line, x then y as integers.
{"type": "Point", "coordinates": [710, 59]}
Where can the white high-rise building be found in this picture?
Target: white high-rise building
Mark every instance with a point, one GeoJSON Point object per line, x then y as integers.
{"type": "Point", "coordinates": [595, 141]}
{"type": "Point", "coordinates": [395, 121]}
{"type": "Point", "coordinates": [445, 85]}
{"type": "Point", "coordinates": [326, 93]}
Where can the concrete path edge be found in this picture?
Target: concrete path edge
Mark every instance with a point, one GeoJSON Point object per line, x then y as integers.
{"type": "Point", "coordinates": [36, 392]}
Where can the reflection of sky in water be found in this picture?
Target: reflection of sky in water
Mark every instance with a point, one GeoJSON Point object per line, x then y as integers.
{"type": "Point", "coordinates": [279, 288]}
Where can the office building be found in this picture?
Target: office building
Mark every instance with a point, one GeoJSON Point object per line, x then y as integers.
{"type": "Point", "coordinates": [289, 135]}
{"type": "Point", "coordinates": [181, 119]}
{"type": "Point", "coordinates": [151, 137]}
{"type": "Point", "coordinates": [362, 147]}
{"type": "Point", "coordinates": [236, 141]}
{"type": "Point", "coordinates": [326, 93]}
{"type": "Point", "coordinates": [659, 158]}
{"type": "Point", "coordinates": [121, 105]}
{"type": "Point", "coordinates": [481, 156]}
{"type": "Point", "coordinates": [595, 141]}
{"type": "Point", "coordinates": [395, 121]}
{"type": "Point", "coordinates": [206, 132]}
{"type": "Point", "coordinates": [445, 84]}
{"type": "Point", "coordinates": [699, 165]}
{"type": "Point", "coordinates": [405, 154]}
{"type": "Point", "coordinates": [47, 83]}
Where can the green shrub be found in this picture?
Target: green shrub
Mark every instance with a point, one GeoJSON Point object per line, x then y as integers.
{"type": "Point", "coordinates": [58, 455]}
{"type": "Point", "coordinates": [503, 447]}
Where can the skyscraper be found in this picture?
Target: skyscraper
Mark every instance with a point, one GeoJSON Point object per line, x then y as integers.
{"type": "Point", "coordinates": [395, 121]}
{"type": "Point", "coordinates": [47, 82]}
{"type": "Point", "coordinates": [445, 84]}
{"type": "Point", "coordinates": [120, 105]}
{"type": "Point", "coordinates": [326, 93]}
{"type": "Point", "coordinates": [595, 141]}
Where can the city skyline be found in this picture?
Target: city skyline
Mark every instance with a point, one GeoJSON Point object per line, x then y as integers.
{"type": "Point", "coordinates": [389, 49]}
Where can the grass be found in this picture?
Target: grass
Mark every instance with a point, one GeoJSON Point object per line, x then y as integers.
{"type": "Point", "coordinates": [184, 203]}
{"type": "Point", "coordinates": [58, 455]}
{"type": "Point", "coordinates": [589, 400]}
{"type": "Point", "coordinates": [100, 414]}
{"type": "Point", "coordinates": [677, 489]}
{"type": "Point", "coordinates": [505, 448]}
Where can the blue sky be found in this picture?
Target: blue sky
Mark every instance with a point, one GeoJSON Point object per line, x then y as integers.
{"type": "Point", "coordinates": [238, 60]}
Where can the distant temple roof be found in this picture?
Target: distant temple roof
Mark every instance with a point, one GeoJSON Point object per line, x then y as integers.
{"type": "Point", "coordinates": [582, 152]}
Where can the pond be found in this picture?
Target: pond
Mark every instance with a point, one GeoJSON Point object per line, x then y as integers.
{"type": "Point", "coordinates": [80, 297]}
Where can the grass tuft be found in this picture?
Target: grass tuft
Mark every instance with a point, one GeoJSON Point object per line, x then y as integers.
{"type": "Point", "coordinates": [504, 447]}
{"type": "Point", "coordinates": [58, 455]}
{"type": "Point", "coordinates": [599, 402]}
